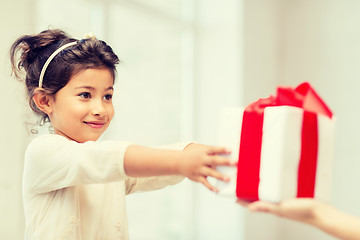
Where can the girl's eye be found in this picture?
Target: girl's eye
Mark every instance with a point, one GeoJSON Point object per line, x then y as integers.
{"type": "Point", "coordinates": [108, 97]}
{"type": "Point", "coordinates": [85, 95]}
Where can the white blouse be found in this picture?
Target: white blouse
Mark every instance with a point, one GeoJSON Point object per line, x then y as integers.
{"type": "Point", "coordinates": [77, 190]}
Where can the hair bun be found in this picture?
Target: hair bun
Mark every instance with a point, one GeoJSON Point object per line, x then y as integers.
{"type": "Point", "coordinates": [90, 35]}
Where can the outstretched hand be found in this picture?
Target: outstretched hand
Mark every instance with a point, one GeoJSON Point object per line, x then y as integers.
{"type": "Point", "coordinates": [200, 161]}
{"type": "Point", "coordinates": [314, 212]}
{"type": "Point", "coordinates": [299, 209]}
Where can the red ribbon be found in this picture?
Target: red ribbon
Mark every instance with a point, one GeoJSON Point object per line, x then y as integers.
{"type": "Point", "coordinates": [308, 157]}
{"type": "Point", "coordinates": [251, 137]}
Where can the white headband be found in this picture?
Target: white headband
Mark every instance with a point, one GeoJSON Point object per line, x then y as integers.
{"type": "Point", "coordinates": [51, 58]}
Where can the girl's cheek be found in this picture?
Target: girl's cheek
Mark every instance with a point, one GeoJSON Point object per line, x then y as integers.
{"type": "Point", "coordinates": [111, 116]}
{"type": "Point", "coordinates": [111, 112]}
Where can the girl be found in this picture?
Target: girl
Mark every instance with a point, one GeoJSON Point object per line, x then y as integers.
{"type": "Point", "coordinates": [73, 186]}
{"type": "Point", "coordinates": [314, 212]}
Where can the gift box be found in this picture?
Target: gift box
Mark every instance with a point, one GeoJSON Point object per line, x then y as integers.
{"type": "Point", "coordinates": [283, 145]}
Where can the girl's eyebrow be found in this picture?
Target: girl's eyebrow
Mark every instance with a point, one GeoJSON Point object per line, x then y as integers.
{"type": "Point", "coordinates": [92, 88]}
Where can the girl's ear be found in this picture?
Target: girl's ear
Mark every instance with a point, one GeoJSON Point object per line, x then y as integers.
{"type": "Point", "coordinates": [43, 101]}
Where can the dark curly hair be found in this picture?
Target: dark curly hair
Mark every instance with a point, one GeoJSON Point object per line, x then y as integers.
{"type": "Point", "coordinates": [30, 52]}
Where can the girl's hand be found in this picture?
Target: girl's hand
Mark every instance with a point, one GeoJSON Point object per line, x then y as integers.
{"type": "Point", "coordinates": [199, 162]}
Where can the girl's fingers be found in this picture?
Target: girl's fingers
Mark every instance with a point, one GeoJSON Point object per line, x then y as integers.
{"type": "Point", "coordinates": [219, 150]}
{"type": "Point", "coordinates": [205, 182]}
{"type": "Point", "coordinates": [210, 172]}
{"type": "Point", "coordinates": [217, 160]}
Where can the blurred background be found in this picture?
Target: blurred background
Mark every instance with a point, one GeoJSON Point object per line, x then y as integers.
{"type": "Point", "coordinates": [183, 61]}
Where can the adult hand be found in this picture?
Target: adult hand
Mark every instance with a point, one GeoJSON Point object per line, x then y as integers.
{"type": "Point", "coordinates": [299, 209]}
{"type": "Point", "coordinates": [314, 212]}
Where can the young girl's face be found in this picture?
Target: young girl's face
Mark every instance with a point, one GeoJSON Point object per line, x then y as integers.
{"type": "Point", "coordinates": [83, 109]}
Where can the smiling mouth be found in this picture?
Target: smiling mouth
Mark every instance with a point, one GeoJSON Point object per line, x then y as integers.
{"type": "Point", "coordinates": [95, 125]}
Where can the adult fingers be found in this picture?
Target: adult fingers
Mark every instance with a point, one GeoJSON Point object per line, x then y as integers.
{"type": "Point", "coordinates": [261, 206]}
{"type": "Point", "coordinates": [243, 202]}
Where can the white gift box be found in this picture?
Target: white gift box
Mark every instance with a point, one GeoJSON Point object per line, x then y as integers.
{"type": "Point", "coordinates": [280, 152]}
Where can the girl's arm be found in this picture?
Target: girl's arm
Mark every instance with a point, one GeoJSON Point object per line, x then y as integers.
{"type": "Point", "coordinates": [53, 162]}
{"type": "Point", "coordinates": [196, 162]}
{"type": "Point", "coordinates": [316, 213]}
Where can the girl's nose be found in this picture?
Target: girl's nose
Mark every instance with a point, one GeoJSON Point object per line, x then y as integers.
{"type": "Point", "coordinates": [98, 108]}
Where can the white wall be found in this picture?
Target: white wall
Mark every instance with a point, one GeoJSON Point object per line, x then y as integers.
{"type": "Point", "coordinates": [15, 20]}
